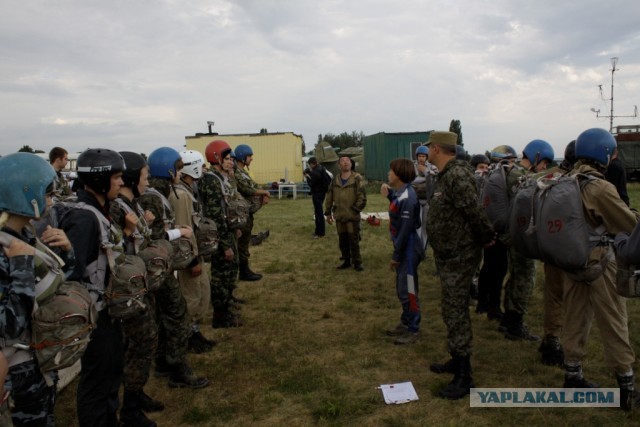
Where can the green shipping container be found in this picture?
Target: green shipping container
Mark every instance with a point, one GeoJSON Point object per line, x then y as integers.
{"type": "Point", "coordinates": [381, 148]}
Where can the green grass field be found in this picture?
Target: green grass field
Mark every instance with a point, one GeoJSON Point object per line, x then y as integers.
{"type": "Point", "coordinates": [313, 350]}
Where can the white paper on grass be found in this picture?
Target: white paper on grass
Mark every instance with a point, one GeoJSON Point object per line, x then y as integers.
{"type": "Point", "coordinates": [399, 393]}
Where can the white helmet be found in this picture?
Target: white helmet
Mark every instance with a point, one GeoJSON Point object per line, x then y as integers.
{"type": "Point", "coordinates": [193, 163]}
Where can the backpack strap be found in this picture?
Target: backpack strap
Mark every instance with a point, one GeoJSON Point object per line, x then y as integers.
{"type": "Point", "coordinates": [165, 205]}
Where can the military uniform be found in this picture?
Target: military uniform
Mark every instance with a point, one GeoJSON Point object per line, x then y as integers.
{"type": "Point", "coordinates": [140, 331]}
{"type": "Point", "coordinates": [457, 227]}
{"type": "Point", "coordinates": [598, 299]}
{"type": "Point", "coordinates": [103, 360]}
{"type": "Point", "coordinates": [171, 308]}
{"type": "Point", "coordinates": [247, 188]}
{"type": "Point", "coordinates": [33, 400]}
{"type": "Point", "coordinates": [345, 200]}
{"type": "Point", "coordinates": [215, 189]}
{"type": "Point", "coordinates": [196, 290]}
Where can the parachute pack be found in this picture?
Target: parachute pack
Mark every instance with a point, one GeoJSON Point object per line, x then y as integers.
{"type": "Point", "coordinates": [238, 207]}
{"type": "Point", "coordinates": [547, 222]}
{"type": "Point", "coordinates": [495, 197]}
{"type": "Point", "coordinates": [182, 246]}
{"type": "Point", "coordinates": [123, 294]}
{"type": "Point", "coordinates": [205, 229]}
{"type": "Point", "coordinates": [63, 316]}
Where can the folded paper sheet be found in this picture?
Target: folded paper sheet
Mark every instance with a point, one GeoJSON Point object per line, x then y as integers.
{"type": "Point", "coordinates": [398, 393]}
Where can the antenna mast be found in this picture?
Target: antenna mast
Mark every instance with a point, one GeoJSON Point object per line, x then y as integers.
{"type": "Point", "coordinates": [614, 62]}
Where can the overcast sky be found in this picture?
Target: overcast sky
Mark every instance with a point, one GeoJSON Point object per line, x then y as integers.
{"type": "Point", "coordinates": [140, 74]}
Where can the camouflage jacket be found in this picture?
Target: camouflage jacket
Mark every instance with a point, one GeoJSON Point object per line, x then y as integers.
{"type": "Point", "coordinates": [214, 189]}
{"type": "Point", "coordinates": [150, 201]}
{"type": "Point", "coordinates": [346, 201]}
{"type": "Point", "coordinates": [17, 287]}
{"type": "Point", "coordinates": [63, 185]}
{"type": "Point", "coordinates": [246, 185]}
{"type": "Point", "coordinates": [456, 222]}
{"type": "Point", "coordinates": [141, 238]}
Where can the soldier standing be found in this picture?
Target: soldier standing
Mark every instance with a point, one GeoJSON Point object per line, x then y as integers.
{"type": "Point", "coordinates": [458, 228]}
{"type": "Point", "coordinates": [194, 279]}
{"type": "Point", "coordinates": [345, 200]}
{"type": "Point", "coordinates": [598, 299]}
{"type": "Point", "coordinates": [250, 190]}
{"type": "Point", "coordinates": [27, 179]}
{"type": "Point", "coordinates": [100, 172]}
{"type": "Point", "coordinates": [58, 158]}
{"type": "Point", "coordinates": [173, 328]}
{"type": "Point", "coordinates": [140, 331]}
{"type": "Point", "coordinates": [215, 191]}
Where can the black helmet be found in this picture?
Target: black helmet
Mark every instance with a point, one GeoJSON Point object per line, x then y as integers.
{"type": "Point", "coordinates": [476, 159]}
{"type": "Point", "coordinates": [131, 176]}
{"type": "Point", "coordinates": [570, 152]}
{"type": "Point", "coordinates": [96, 166]}
{"type": "Point", "coordinates": [461, 154]}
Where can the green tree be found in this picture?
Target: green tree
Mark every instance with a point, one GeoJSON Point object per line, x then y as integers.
{"type": "Point", "coordinates": [344, 140]}
{"type": "Point", "coordinates": [263, 131]}
{"type": "Point", "coordinates": [25, 149]}
{"type": "Point", "coordinates": [455, 127]}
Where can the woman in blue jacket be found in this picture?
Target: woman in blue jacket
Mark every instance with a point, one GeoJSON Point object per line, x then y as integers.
{"type": "Point", "coordinates": [408, 248]}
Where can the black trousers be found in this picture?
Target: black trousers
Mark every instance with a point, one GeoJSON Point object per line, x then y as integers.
{"type": "Point", "coordinates": [318, 200]}
{"type": "Point", "coordinates": [494, 268]}
{"type": "Point", "coordinates": [101, 375]}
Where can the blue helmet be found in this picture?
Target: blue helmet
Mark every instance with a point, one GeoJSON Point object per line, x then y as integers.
{"type": "Point", "coordinates": [538, 150]}
{"type": "Point", "coordinates": [241, 152]}
{"type": "Point", "coordinates": [96, 166]}
{"type": "Point", "coordinates": [162, 162]}
{"type": "Point", "coordinates": [423, 149]}
{"type": "Point", "coordinates": [595, 144]}
{"type": "Point", "coordinates": [26, 181]}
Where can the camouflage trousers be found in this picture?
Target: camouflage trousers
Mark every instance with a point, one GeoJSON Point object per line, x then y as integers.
{"type": "Point", "coordinates": [224, 275]}
{"type": "Point", "coordinates": [196, 292]}
{"type": "Point", "coordinates": [32, 400]}
{"type": "Point", "coordinates": [171, 318]}
{"type": "Point", "coordinates": [518, 289]}
{"type": "Point", "coordinates": [141, 342]}
{"type": "Point", "coordinates": [456, 275]}
{"type": "Point", "coordinates": [349, 240]}
{"type": "Point", "coordinates": [244, 240]}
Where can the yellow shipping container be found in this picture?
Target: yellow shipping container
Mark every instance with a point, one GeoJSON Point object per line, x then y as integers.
{"type": "Point", "coordinates": [276, 156]}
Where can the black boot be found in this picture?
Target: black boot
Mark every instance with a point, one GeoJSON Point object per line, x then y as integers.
{"type": "Point", "coordinates": [517, 330]}
{"type": "Point", "coordinates": [507, 319]}
{"type": "Point", "coordinates": [162, 369]}
{"type": "Point", "coordinates": [148, 404]}
{"type": "Point", "coordinates": [131, 414]}
{"type": "Point", "coordinates": [182, 376]}
{"type": "Point", "coordinates": [573, 377]}
{"type": "Point", "coordinates": [442, 368]}
{"type": "Point", "coordinates": [345, 264]}
{"type": "Point", "coordinates": [461, 382]}
{"type": "Point", "coordinates": [247, 275]}
{"type": "Point", "coordinates": [494, 313]}
{"type": "Point", "coordinates": [629, 398]}
{"type": "Point", "coordinates": [551, 351]}
{"type": "Point", "coordinates": [196, 345]}
{"type": "Point", "coordinates": [225, 319]}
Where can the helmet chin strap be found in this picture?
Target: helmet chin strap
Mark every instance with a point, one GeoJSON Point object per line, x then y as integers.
{"type": "Point", "coordinates": [36, 211]}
